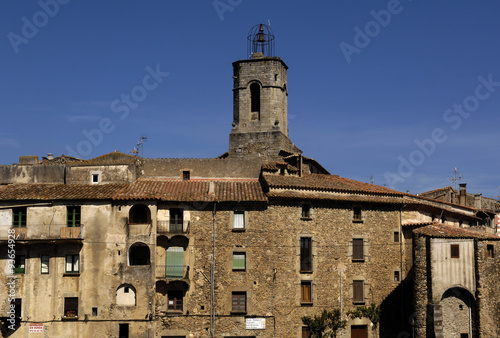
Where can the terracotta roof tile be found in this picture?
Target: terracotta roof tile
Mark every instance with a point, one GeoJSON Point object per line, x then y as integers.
{"type": "Point", "coordinates": [59, 191]}
{"type": "Point", "coordinates": [193, 190]}
{"type": "Point", "coordinates": [446, 231]}
{"type": "Point", "coordinates": [327, 183]}
{"type": "Point", "coordinates": [275, 166]}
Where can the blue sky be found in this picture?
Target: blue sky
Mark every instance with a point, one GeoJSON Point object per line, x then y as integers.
{"type": "Point", "coordinates": [401, 91]}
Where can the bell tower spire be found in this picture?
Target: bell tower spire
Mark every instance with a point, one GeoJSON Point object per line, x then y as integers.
{"type": "Point", "coordinates": [260, 116]}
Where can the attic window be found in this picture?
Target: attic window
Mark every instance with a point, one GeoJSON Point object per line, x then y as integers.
{"type": "Point", "coordinates": [186, 175]}
{"type": "Point", "coordinates": [95, 178]}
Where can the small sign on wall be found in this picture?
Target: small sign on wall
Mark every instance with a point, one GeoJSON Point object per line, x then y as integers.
{"type": "Point", "coordinates": [256, 323]}
{"type": "Point", "coordinates": [36, 327]}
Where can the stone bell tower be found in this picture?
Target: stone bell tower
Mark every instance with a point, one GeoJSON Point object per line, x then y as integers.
{"type": "Point", "coordinates": [260, 117]}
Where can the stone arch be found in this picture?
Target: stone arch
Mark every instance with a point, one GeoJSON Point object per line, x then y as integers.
{"type": "Point", "coordinates": [458, 309]}
{"type": "Point", "coordinates": [126, 295]}
{"type": "Point", "coordinates": [139, 254]}
{"type": "Point", "coordinates": [139, 214]}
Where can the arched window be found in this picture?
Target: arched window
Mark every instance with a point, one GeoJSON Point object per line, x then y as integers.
{"type": "Point", "coordinates": [139, 254]}
{"type": "Point", "coordinates": [125, 295]}
{"type": "Point", "coordinates": [139, 214]}
{"type": "Point", "coordinates": [255, 101]}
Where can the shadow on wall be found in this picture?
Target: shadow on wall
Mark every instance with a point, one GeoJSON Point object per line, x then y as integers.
{"type": "Point", "coordinates": [397, 310]}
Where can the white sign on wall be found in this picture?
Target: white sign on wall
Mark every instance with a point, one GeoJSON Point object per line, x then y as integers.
{"type": "Point", "coordinates": [256, 323]}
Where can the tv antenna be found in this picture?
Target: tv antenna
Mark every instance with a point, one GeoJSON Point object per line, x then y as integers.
{"type": "Point", "coordinates": [456, 177]}
{"type": "Point", "coordinates": [139, 148]}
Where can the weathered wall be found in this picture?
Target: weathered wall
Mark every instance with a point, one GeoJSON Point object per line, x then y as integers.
{"type": "Point", "coordinates": [31, 174]}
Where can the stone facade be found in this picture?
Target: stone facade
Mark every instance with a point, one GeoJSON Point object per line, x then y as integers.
{"type": "Point", "coordinates": [243, 245]}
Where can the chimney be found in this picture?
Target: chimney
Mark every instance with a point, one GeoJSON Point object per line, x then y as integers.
{"type": "Point", "coordinates": [462, 197]}
{"type": "Point", "coordinates": [477, 201]}
{"type": "Point", "coordinates": [50, 156]}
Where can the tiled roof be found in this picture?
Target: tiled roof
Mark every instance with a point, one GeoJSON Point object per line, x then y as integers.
{"type": "Point", "coordinates": [326, 183]}
{"type": "Point", "coordinates": [275, 166]}
{"type": "Point", "coordinates": [417, 224]}
{"type": "Point", "coordinates": [446, 231]}
{"type": "Point", "coordinates": [59, 191]}
{"type": "Point", "coordinates": [166, 190]}
{"type": "Point", "coordinates": [193, 190]}
{"type": "Point", "coordinates": [320, 195]}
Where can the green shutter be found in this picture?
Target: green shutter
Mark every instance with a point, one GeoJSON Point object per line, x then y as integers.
{"type": "Point", "coordinates": [238, 261]}
{"type": "Point", "coordinates": [175, 261]}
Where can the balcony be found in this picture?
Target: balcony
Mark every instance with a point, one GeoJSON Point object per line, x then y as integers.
{"type": "Point", "coordinates": [42, 232]}
{"type": "Point", "coordinates": [172, 227]}
{"type": "Point", "coordinates": [172, 272]}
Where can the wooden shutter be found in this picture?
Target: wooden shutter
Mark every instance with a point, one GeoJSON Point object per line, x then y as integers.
{"type": "Point", "coordinates": [239, 302]}
{"type": "Point", "coordinates": [357, 291]}
{"type": "Point", "coordinates": [357, 249]}
{"type": "Point", "coordinates": [306, 292]}
{"type": "Point", "coordinates": [455, 251]}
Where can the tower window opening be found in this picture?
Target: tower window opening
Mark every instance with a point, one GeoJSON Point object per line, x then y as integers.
{"type": "Point", "coordinates": [255, 101]}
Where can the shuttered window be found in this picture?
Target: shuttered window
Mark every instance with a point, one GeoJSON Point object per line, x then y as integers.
{"type": "Point", "coordinates": [357, 291]}
{"type": "Point", "coordinates": [239, 220]}
{"type": "Point", "coordinates": [239, 303]}
{"type": "Point", "coordinates": [239, 261]}
{"type": "Point", "coordinates": [357, 249]}
{"type": "Point", "coordinates": [306, 294]}
{"type": "Point", "coordinates": [175, 262]}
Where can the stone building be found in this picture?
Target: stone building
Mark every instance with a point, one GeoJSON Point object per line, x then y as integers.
{"type": "Point", "coordinates": [243, 245]}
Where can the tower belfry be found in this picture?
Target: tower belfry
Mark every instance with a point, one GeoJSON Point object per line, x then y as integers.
{"type": "Point", "coordinates": [260, 116]}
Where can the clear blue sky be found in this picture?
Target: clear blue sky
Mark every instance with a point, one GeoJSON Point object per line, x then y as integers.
{"type": "Point", "coordinates": [407, 100]}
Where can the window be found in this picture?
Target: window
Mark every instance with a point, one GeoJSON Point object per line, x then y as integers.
{"type": "Point", "coordinates": [19, 262]}
{"type": "Point", "coordinates": [306, 211]}
{"type": "Point", "coordinates": [175, 300]}
{"type": "Point", "coordinates": [357, 249]}
{"type": "Point", "coordinates": [305, 254]}
{"type": "Point", "coordinates": [186, 175]}
{"type": "Point", "coordinates": [255, 101]}
{"type": "Point", "coordinates": [44, 264]}
{"type": "Point", "coordinates": [396, 276]}
{"type": "Point", "coordinates": [95, 178]}
{"type": "Point", "coordinates": [73, 216]}
{"type": "Point", "coordinates": [94, 311]}
{"type": "Point", "coordinates": [139, 214]}
{"type": "Point", "coordinates": [396, 236]}
{"type": "Point", "coordinates": [306, 292]}
{"type": "Point", "coordinates": [239, 220]}
{"type": "Point", "coordinates": [455, 251]}
{"type": "Point", "coordinates": [71, 307]}
{"type": "Point", "coordinates": [123, 331]}
{"type": "Point", "coordinates": [72, 264]}
{"type": "Point", "coordinates": [239, 302]}
{"type": "Point", "coordinates": [239, 261]}
{"type": "Point", "coordinates": [358, 292]}
{"type": "Point", "coordinates": [464, 335]}
{"type": "Point", "coordinates": [19, 217]}
{"type": "Point", "coordinates": [306, 332]}
{"type": "Point", "coordinates": [18, 307]}
{"type": "Point", "coordinates": [176, 220]}
{"type": "Point", "coordinates": [356, 214]}
{"type": "Point", "coordinates": [139, 254]}
{"type": "Point", "coordinates": [490, 250]}
{"type": "Point", "coordinates": [175, 263]}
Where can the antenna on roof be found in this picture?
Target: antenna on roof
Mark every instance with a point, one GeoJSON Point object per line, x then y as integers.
{"type": "Point", "coordinates": [372, 181]}
{"type": "Point", "coordinates": [139, 148]}
{"type": "Point", "coordinates": [456, 177]}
